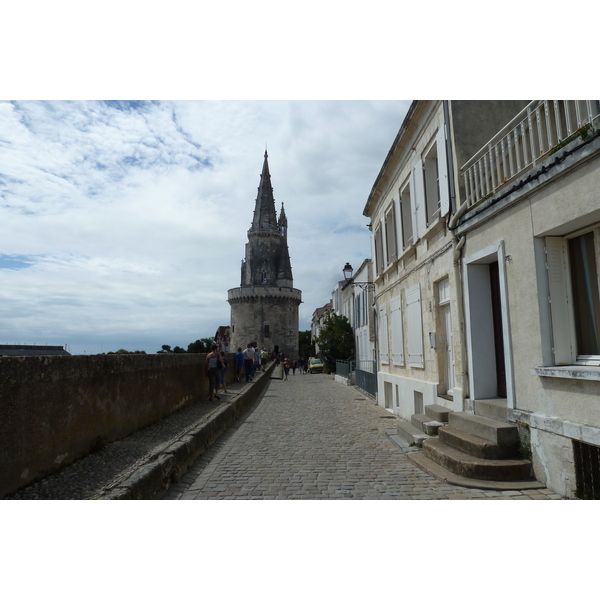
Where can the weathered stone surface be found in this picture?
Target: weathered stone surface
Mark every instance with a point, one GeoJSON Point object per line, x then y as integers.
{"type": "Point", "coordinates": [57, 409]}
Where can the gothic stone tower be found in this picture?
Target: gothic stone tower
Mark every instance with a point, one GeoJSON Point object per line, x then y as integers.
{"type": "Point", "coordinates": [264, 309]}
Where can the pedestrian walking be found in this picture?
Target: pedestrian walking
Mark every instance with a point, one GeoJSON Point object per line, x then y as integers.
{"type": "Point", "coordinates": [286, 368]}
{"type": "Point", "coordinates": [212, 369]}
{"type": "Point", "coordinates": [239, 364]}
{"type": "Point", "coordinates": [256, 362]}
{"type": "Point", "coordinates": [264, 357]}
{"type": "Point", "coordinates": [248, 362]}
{"type": "Point", "coordinates": [223, 369]}
{"type": "Point", "coordinates": [294, 366]}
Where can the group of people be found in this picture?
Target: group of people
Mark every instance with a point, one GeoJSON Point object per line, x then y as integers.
{"type": "Point", "coordinates": [247, 362]}
{"type": "Point", "coordinates": [297, 363]}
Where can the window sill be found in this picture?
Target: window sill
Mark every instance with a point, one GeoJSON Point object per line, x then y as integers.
{"type": "Point", "coordinates": [569, 372]}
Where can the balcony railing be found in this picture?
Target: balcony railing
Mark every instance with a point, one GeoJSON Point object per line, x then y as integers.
{"type": "Point", "coordinates": [542, 126]}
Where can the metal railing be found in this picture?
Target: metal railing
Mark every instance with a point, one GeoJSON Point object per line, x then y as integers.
{"type": "Point", "coordinates": [365, 377]}
{"type": "Point", "coordinates": [542, 126]}
{"type": "Point", "coordinates": [344, 367]}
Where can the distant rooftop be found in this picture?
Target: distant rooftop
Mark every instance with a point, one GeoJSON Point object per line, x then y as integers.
{"type": "Point", "coordinates": [27, 350]}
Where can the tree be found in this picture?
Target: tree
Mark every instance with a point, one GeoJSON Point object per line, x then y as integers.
{"type": "Point", "coordinates": [201, 346]}
{"type": "Point", "coordinates": [336, 340]}
{"type": "Point", "coordinates": [306, 348]}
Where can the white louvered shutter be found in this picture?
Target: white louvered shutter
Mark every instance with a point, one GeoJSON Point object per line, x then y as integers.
{"type": "Point", "coordinates": [383, 336]}
{"type": "Point", "coordinates": [398, 217]}
{"type": "Point", "coordinates": [418, 197]}
{"type": "Point", "coordinates": [443, 171]}
{"type": "Point", "coordinates": [397, 336]}
{"type": "Point", "coordinates": [415, 326]}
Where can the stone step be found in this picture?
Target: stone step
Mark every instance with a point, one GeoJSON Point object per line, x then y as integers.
{"type": "Point", "coordinates": [497, 432]}
{"type": "Point", "coordinates": [475, 445]}
{"type": "Point", "coordinates": [437, 412]}
{"type": "Point", "coordinates": [492, 408]}
{"type": "Point", "coordinates": [465, 465]}
{"type": "Point", "coordinates": [446, 476]}
{"type": "Point", "coordinates": [411, 434]}
{"type": "Point", "coordinates": [401, 442]}
{"type": "Point", "coordinates": [426, 424]}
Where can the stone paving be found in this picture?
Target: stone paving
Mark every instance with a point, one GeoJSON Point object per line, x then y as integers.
{"type": "Point", "coordinates": [311, 438]}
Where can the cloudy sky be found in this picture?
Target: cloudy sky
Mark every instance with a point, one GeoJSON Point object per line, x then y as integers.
{"type": "Point", "coordinates": [123, 223]}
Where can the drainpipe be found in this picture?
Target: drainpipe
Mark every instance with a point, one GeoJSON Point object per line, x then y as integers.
{"type": "Point", "coordinates": [456, 254]}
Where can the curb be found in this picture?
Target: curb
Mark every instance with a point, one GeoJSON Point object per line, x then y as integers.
{"type": "Point", "coordinates": [153, 479]}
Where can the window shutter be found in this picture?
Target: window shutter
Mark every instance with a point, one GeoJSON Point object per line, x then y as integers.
{"type": "Point", "coordinates": [398, 224]}
{"type": "Point", "coordinates": [397, 337]}
{"type": "Point", "coordinates": [415, 326]}
{"type": "Point", "coordinates": [383, 336]}
{"type": "Point", "coordinates": [560, 300]}
{"type": "Point", "coordinates": [418, 191]}
{"type": "Point", "coordinates": [443, 171]}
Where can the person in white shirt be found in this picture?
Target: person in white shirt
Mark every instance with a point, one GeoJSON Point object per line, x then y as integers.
{"type": "Point", "coordinates": [249, 362]}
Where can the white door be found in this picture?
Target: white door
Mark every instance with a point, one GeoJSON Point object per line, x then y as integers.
{"type": "Point", "coordinates": [449, 353]}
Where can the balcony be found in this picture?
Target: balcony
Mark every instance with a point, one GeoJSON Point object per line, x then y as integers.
{"type": "Point", "coordinates": [541, 128]}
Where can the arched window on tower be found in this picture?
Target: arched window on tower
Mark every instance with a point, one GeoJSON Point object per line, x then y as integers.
{"type": "Point", "coordinates": [266, 331]}
{"type": "Point", "coordinates": [264, 276]}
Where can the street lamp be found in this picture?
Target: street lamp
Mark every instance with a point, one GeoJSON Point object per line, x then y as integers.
{"type": "Point", "coordinates": [348, 270]}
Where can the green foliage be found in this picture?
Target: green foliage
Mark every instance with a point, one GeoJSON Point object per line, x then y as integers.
{"type": "Point", "coordinates": [201, 346]}
{"type": "Point", "coordinates": [306, 348]}
{"type": "Point", "coordinates": [336, 340]}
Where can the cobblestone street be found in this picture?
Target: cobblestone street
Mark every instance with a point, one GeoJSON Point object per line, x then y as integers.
{"type": "Point", "coordinates": [312, 438]}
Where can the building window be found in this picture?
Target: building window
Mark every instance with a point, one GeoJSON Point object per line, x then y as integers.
{"type": "Point", "coordinates": [574, 293]}
{"type": "Point", "coordinates": [406, 217]}
{"type": "Point", "coordinates": [266, 331]}
{"type": "Point", "coordinates": [586, 304]}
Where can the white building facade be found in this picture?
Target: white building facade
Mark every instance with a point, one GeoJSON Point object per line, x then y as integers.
{"type": "Point", "coordinates": [530, 225]}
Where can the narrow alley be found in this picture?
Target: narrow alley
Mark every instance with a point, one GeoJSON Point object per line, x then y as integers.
{"type": "Point", "coordinates": [312, 438]}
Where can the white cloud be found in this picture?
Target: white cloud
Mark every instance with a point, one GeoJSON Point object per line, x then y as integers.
{"type": "Point", "coordinates": [134, 216]}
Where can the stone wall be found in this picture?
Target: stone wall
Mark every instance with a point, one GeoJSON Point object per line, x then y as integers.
{"type": "Point", "coordinates": [56, 409]}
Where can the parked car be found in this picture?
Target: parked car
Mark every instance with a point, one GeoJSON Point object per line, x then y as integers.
{"type": "Point", "coordinates": [315, 365]}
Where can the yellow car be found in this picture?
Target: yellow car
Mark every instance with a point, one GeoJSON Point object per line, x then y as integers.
{"type": "Point", "coordinates": [315, 365]}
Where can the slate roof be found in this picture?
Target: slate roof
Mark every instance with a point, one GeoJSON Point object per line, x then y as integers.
{"type": "Point", "coordinates": [27, 350]}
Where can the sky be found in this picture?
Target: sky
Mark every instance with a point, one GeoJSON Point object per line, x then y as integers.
{"type": "Point", "coordinates": [124, 223]}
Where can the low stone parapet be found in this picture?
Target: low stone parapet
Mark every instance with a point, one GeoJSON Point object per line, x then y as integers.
{"type": "Point", "coordinates": [57, 409]}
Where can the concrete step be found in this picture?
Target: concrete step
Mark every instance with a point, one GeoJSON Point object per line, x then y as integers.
{"type": "Point", "coordinates": [446, 476]}
{"type": "Point", "coordinates": [497, 432]}
{"type": "Point", "coordinates": [426, 424]}
{"type": "Point", "coordinates": [492, 408]}
{"type": "Point", "coordinates": [465, 465]}
{"type": "Point", "coordinates": [401, 442]}
{"type": "Point", "coordinates": [411, 434]}
{"type": "Point", "coordinates": [475, 445]}
{"type": "Point", "coordinates": [437, 412]}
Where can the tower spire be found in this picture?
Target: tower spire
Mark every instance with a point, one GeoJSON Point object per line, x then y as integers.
{"type": "Point", "coordinates": [265, 216]}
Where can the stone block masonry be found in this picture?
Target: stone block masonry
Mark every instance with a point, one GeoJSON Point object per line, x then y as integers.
{"type": "Point", "coordinates": [56, 409]}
